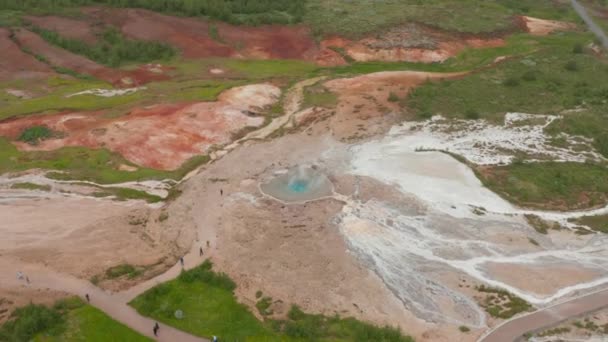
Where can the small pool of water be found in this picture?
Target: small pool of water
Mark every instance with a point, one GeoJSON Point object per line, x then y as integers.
{"type": "Point", "coordinates": [299, 184]}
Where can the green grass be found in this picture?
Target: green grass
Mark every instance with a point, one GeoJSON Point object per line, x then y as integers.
{"type": "Point", "coordinates": [33, 135]}
{"type": "Point", "coordinates": [356, 18]}
{"type": "Point", "coordinates": [502, 304]}
{"type": "Point", "coordinates": [101, 166]}
{"type": "Point", "coordinates": [121, 270]}
{"type": "Point", "coordinates": [597, 223]}
{"type": "Point", "coordinates": [540, 225]}
{"type": "Point", "coordinates": [550, 184]}
{"type": "Point", "coordinates": [208, 305]}
{"type": "Point", "coordinates": [263, 69]}
{"type": "Point", "coordinates": [124, 194]}
{"type": "Point", "coordinates": [112, 48]}
{"type": "Point", "coordinates": [210, 308]}
{"type": "Point", "coordinates": [543, 67]}
{"type": "Point", "coordinates": [31, 186]}
{"type": "Point", "coordinates": [68, 320]}
{"type": "Point", "coordinates": [58, 100]}
{"type": "Point", "coordinates": [319, 96]}
{"type": "Point", "coordinates": [506, 87]}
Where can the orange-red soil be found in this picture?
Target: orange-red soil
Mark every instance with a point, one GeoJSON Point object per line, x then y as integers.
{"type": "Point", "coordinates": [192, 36]}
{"type": "Point", "coordinates": [65, 59]}
{"type": "Point", "coordinates": [16, 64]}
{"type": "Point", "coordinates": [66, 27]}
{"type": "Point", "coordinates": [161, 136]}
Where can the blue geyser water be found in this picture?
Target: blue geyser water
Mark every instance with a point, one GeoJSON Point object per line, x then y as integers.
{"type": "Point", "coordinates": [299, 184]}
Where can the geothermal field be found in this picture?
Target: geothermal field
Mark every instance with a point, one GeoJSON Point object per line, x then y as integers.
{"type": "Point", "coordinates": [314, 171]}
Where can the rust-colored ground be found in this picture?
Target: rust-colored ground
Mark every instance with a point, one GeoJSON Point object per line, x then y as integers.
{"type": "Point", "coordinates": [66, 27]}
{"type": "Point", "coordinates": [365, 105]}
{"type": "Point", "coordinates": [194, 38]}
{"type": "Point", "coordinates": [409, 43]}
{"type": "Point", "coordinates": [200, 39]}
{"type": "Point", "coordinates": [161, 136]}
{"type": "Point", "coordinates": [62, 58]}
{"type": "Point", "coordinates": [16, 64]}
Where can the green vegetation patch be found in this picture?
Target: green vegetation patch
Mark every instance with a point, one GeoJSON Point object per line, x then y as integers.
{"type": "Point", "coordinates": [598, 223]}
{"type": "Point", "coordinates": [554, 331]}
{"type": "Point", "coordinates": [502, 304]}
{"type": "Point", "coordinates": [540, 225]}
{"type": "Point", "coordinates": [506, 86]}
{"type": "Point", "coordinates": [113, 49]}
{"type": "Point", "coordinates": [232, 11]}
{"type": "Point", "coordinates": [121, 270]}
{"type": "Point", "coordinates": [31, 186]}
{"type": "Point", "coordinates": [101, 166]}
{"type": "Point", "coordinates": [550, 185]}
{"type": "Point", "coordinates": [33, 135]}
{"type": "Point", "coordinates": [319, 96]}
{"type": "Point", "coordinates": [303, 326]}
{"type": "Point", "coordinates": [263, 69]}
{"type": "Point", "coordinates": [207, 301]}
{"type": "Point", "coordinates": [562, 80]}
{"type": "Point", "coordinates": [60, 98]}
{"type": "Point", "coordinates": [210, 308]}
{"type": "Point", "coordinates": [68, 320]}
{"type": "Point", "coordinates": [356, 18]}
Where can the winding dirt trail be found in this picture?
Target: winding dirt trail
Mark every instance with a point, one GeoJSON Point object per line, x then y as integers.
{"type": "Point", "coordinates": [114, 305]}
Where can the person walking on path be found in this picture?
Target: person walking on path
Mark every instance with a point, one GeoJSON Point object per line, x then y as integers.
{"type": "Point", "coordinates": [221, 192]}
{"type": "Point", "coordinates": [87, 297]}
{"type": "Point", "coordinates": [181, 261]}
{"type": "Point", "coordinates": [214, 338]}
{"type": "Point", "coordinates": [156, 328]}
{"type": "Point", "coordinates": [27, 279]}
{"type": "Point", "coordinates": [200, 251]}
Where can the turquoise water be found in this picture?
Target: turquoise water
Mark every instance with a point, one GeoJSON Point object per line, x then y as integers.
{"type": "Point", "coordinates": [298, 186]}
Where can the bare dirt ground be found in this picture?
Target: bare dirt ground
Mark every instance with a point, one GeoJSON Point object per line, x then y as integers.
{"type": "Point", "coordinates": [364, 108]}
{"type": "Point", "coordinates": [161, 136]}
{"type": "Point", "coordinates": [16, 64]}
{"type": "Point", "coordinates": [542, 279]}
{"type": "Point", "coordinates": [62, 58]}
{"type": "Point", "coordinates": [84, 237]}
{"type": "Point", "coordinates": [292, 253]}
{"type": "Point", "coordinates": [408, 43]}
{"type": "Point", "coordinates": [543, 27]}
{"type": "Point", "coordinates": [12, 298]}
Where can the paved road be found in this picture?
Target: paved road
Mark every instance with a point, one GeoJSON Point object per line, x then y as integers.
{"type": "Point", "coordinates": [597, 30]}
{"type": "Point", "coordinates": [546, 318]}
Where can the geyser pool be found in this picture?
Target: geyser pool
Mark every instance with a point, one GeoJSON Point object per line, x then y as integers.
{"type": "Point", "coordinates": [299, 184]}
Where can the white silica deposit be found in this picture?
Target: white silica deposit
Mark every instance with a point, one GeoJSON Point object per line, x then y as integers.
{"type": "Point", "coordinates": [409, 251]}
{"type": "Point", "coordinates": [108, 92]}
{"type": "Point", "coordinates": [484, 143]}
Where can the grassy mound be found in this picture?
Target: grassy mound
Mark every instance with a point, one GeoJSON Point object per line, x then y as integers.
{"type": "Point", "coordinates": [550, 185]}
{"type": "Point", "coordinates": [68, 320]}
{"type": "Point", "coordinates": [210, 308]}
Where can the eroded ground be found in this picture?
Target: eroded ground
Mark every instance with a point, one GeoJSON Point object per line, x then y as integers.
{"type": "Point", "coordinates": [408, 236]}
